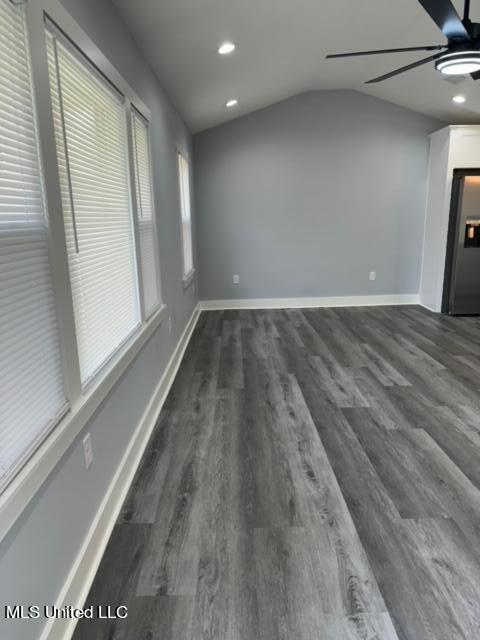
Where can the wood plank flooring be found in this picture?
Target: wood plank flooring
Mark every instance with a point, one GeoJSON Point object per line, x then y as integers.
{"type": "Point", "coordinates": [314, 475]}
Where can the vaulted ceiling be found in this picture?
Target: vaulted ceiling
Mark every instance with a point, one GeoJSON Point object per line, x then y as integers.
{"type": "Point", "coordinates": [281, 52]}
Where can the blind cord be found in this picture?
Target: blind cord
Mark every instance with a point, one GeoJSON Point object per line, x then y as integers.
{"type": "Point", "coordinates": [137, 166]}
{"type": "Point", "coordinates": [65, 144]}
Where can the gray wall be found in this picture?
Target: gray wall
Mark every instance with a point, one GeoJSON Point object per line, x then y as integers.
{"type": "Point", "coordinates": [306, 197]}
{"type": "Point", "coordinates": [38, 552]}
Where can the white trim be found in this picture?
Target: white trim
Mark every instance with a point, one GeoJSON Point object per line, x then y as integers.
{"type": "Point", "coordinates": [299, 303]}
{"type": "Point", "coordinates": [80, 39]}
{"type": "Point", "coordinates": [188, 279]}
{"type": "Point", "coordinates": [425, 214]}
{"type": "Point", "coordinates": [80, 578]}
{"type": "Point", "coordinates": [30, 478]}
{"type": "Point", "coordinates": [56, 230]}
{"type": "Point", "coordinates": [460, 150]}
{"type": "Point", "coordinates": [429, 308]}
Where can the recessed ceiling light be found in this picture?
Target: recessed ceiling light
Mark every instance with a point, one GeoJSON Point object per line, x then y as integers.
{"type": "Point", "coordinates": [226, 47]}
{"type": "Point", "coordinates": [231, 103]}
{"type": "Point", "coordinates": [459, 99]}
{"type": "Point", "coordinates": [459, 64]}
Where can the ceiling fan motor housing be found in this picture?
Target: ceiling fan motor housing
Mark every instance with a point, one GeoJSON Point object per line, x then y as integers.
{"type": "Point", "coordinates": [459, 56]}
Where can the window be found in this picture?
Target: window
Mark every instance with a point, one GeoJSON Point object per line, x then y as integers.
{"type": "Point", "coordinates": [184, 179]}
{"type": "Point", "coordinates": [93, 264]}
{"type": "Point", "coordinates": [145, 212]}
{"type": "Point", "coordinates": [92, 150]}
{"type": "Point", "coordinates": [32, 397]}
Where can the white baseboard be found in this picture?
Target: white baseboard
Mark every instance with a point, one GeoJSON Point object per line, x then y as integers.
{"type": "Point", "coordinates": [430, 307]}
{"type": "Point", "coordinates": [77, 585]}
{"type": "Point", "coordinates": [302, 303]}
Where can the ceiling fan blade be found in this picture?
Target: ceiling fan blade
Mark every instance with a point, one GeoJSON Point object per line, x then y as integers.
{"type": "Point", "coordinates": [434, 47]}
{"type": "Point", "coordinates": [403, 69]}
{"type": "Point", "coordinates": [445, 16]}
{"type": "Point", "coordinates": [475, 75]}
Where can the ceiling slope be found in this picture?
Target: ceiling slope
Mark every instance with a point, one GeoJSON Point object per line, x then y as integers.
{"type": "Point", "coordinates": [282, 49]}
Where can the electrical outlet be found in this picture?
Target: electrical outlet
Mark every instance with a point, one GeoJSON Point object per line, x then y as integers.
{"type": "Point", "coordinates": [372, 275]}
{"type": "Point", "coordinates": [236, 279]}
{"type": "Point", "coordinates": [88, 451]}
{"type": "Point", "coordinates": [170, 324]}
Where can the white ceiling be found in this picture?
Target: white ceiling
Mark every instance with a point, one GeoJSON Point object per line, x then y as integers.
{"type": "Point", "coordinates": [282, 48]}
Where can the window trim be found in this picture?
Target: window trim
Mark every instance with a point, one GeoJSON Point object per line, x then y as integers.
{"type": "Point", "coordinates": [131, 112]}
{"type": "Point", "coordinates": [11, 471]}
{"type": "Point", "coordinates": [83, 403]}
{"type": "Point", "coordinates": [187, 278]}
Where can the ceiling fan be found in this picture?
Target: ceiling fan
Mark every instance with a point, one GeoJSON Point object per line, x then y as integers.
{"type": "Point", "coordinates": [461, 54]}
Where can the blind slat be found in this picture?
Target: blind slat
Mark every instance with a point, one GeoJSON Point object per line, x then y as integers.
{"type": "Point", "coordinates": [144, 199]}
{"type": "Point", "coordinates": [90, 129]}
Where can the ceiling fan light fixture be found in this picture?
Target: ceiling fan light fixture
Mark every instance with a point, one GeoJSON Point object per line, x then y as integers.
{"type": "Point", "coordinates": [459, 64]}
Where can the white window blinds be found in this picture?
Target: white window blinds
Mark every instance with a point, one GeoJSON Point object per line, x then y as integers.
{"type": "Point", "coordinates": [145, 213]}
{"type": "Point", "coordinates": [92, 149]}
{"type": "Point", "coordinates": [31, 389]}
{"type": "Point", "coordinates": [184, 178]}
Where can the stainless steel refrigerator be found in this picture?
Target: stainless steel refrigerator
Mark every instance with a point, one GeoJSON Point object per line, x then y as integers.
{"type": "Point", "coordinates": [462, 274]}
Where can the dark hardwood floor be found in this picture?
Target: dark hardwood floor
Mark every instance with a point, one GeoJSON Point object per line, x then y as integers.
{"type": "Point", "coordinates": [314, 475]}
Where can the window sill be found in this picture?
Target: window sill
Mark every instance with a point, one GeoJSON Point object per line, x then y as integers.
{"type": "Point", "coordinates": [30, 478]}
{"type": "Point", "coordinates": [188, 279]}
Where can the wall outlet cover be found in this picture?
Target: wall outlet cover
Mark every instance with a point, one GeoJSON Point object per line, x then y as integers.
{"type": "Point", "coordinates": [372, 275]}
{"type": "Point", "coordinates": [236, 279]}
